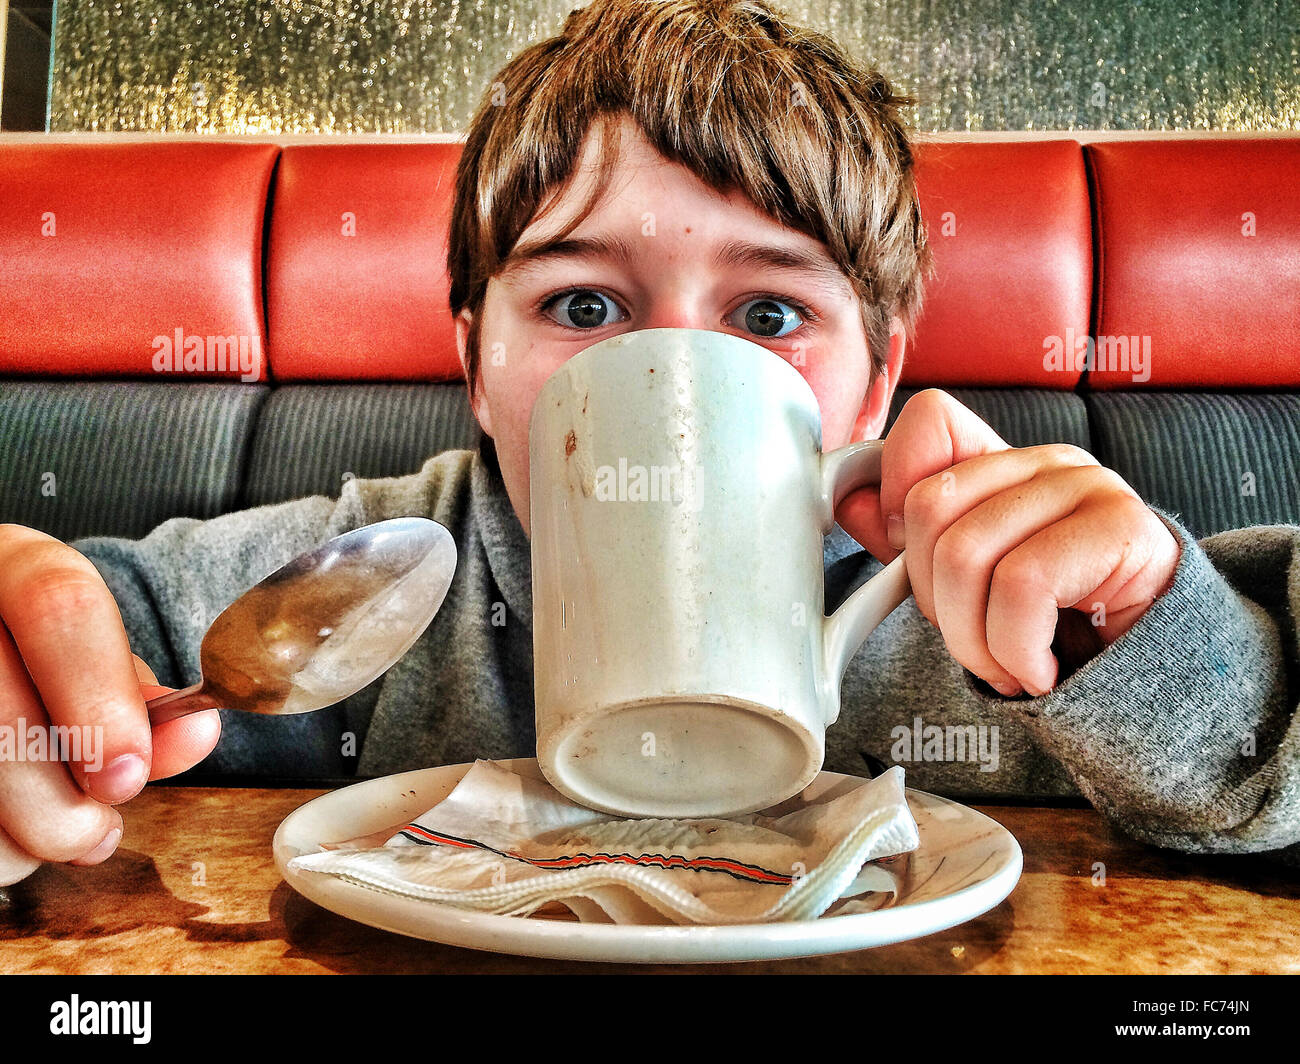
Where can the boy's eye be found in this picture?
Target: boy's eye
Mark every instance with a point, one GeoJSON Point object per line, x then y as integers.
{"type": "Point", "coordinates": [771, 318]}
{"type": "Point", "coordinates": [582, 309]}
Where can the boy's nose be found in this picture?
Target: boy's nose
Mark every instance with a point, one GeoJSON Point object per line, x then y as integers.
{"type": "Point", "coordinates": [678, 315]}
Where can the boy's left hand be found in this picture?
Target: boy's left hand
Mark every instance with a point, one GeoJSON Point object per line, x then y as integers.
{"type": "Point", "coordinates": [1003, 544]}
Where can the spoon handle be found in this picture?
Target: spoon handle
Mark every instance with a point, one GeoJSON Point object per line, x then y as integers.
{"type": "Point", "coordinates": [179, 704]}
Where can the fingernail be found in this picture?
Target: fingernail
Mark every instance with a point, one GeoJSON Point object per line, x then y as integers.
{"type": "Point", "coordinates": [1009, 690]}
{"type": "Point", "coordinates": [119, 780]}
{"type": "Point", "coordinates": [103, 851]}
{"type": "Point", "coordinates": [894, 530]}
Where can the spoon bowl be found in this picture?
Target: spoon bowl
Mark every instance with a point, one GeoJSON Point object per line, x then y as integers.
{"type": "Point", "coordinates": [324, 625]}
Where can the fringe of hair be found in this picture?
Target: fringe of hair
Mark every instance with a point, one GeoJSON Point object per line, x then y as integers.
{"type": "Point", "coordinates": [734, 93]}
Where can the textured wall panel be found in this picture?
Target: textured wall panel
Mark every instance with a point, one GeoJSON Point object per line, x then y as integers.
{"type": "Point", "coordinates": [283, 66]}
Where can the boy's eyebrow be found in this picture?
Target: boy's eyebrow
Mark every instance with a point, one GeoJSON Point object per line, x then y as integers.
{"type": "Point", "coordinates": [825, 273]}
{"type": "Point", "coordinates": [527, 257]}
{"type": "Point", "coordinates": [735, 253]}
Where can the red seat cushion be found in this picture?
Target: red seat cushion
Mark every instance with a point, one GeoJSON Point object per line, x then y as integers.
{"type": "Point", "coordinates": [369, 306]}
{"type": "Point", "coordinates": [1010, 228]}
{"type": "Point", "coordinates": [1180, 272]}
{"type": "Point", "coordinates": [108, 251]}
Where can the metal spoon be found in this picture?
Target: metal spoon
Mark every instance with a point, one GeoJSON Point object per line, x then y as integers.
{"type": "Point", "coordinates": [323, 626]}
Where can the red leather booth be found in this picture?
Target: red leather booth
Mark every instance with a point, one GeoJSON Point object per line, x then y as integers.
{"type": "Point", "coordinates": [1138, 297]}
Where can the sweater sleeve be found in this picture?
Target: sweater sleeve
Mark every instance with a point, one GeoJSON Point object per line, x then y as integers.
{"type": "Point", "coordinates": [1184, 731]}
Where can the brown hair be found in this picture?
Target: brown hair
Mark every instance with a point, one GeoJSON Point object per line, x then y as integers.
{"type": "Point", "coordinates": [729, 90]}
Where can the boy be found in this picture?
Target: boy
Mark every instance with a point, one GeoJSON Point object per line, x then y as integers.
{"type": "Point", "coordinates": [704, 165]}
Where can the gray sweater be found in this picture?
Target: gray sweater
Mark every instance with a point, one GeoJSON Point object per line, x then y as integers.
{"type": "Point", "coordinates": [1183, 733]}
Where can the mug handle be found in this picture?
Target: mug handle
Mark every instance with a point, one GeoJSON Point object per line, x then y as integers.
{"type": "Point", "coordinates": [842, 471]}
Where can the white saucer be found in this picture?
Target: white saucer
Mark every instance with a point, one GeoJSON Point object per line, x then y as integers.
{"type": "Point", "coordinates": [966, 864]}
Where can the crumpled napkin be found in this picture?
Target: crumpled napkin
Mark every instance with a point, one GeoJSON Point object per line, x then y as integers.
{"type": "Point", "coordinates": [509, 844]}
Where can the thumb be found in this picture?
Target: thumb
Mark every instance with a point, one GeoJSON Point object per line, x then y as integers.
{"type": "Point", "coordinates": [142, 670]}
{"type": "Point", "coordinates": [932, 433]}
{"type": "Point", "coordinates": [181, 743]}
{"type": "Point", "coordinates": [149, 685]}
{"type": "Point", "coordinates": [860, 515]}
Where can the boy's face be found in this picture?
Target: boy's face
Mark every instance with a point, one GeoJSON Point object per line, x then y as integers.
{"type": "Point", "coordinates": [541, 310]}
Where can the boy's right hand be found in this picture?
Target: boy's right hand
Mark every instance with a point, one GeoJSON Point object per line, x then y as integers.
{"type": "Point", "coordinates": [65, 661]}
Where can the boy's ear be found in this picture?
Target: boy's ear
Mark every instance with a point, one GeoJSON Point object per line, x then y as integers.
{"type": "Point", "coordinates": [463, 322]}
{"type": "Point", "coordinates": [875, 408]}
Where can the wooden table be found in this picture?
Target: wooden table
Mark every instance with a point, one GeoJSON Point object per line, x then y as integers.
{"type": "Point", "coordinates": [193, 889]}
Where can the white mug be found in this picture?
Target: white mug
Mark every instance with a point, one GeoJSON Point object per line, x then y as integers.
{"type": "Point", "coordinates": [683, 664]}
